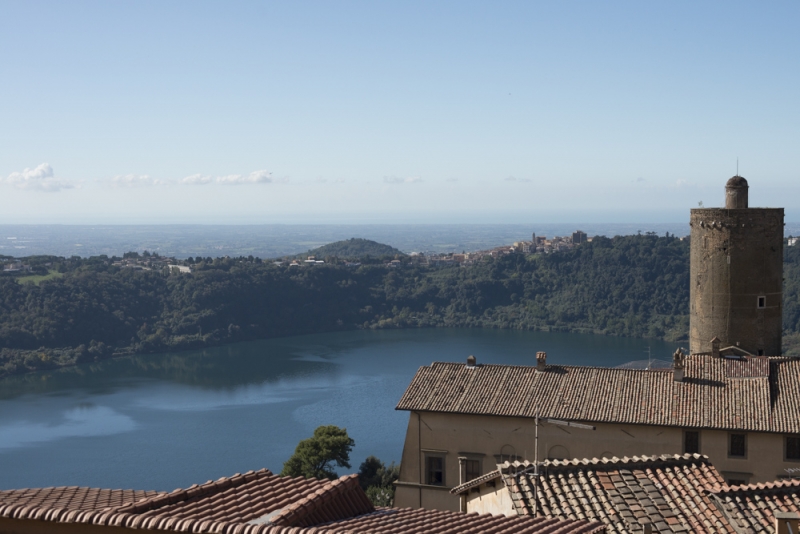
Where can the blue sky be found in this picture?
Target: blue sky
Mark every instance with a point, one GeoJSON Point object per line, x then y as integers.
{"type": "Point", "coordinates": [504, 112]}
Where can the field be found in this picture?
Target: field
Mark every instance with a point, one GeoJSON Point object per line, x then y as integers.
{"type": "Point", "coordinates": [36, 278]}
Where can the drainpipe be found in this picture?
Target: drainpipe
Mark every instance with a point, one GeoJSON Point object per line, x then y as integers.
{"type": "Point", "coordinates": [419, 450]}
{"type": "Point", "coordinates": [463, 498]}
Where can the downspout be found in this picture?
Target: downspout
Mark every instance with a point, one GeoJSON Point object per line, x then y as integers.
{"type": "Point", "coordinates": [462, 498]}
{"type": "Point", "coordinates": [419, 450]}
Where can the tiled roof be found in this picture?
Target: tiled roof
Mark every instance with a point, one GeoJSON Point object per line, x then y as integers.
{"type": "Point", "coordinates": [71, 498]}
{"type": "Point", "coordinates": [756, 394]}
{"type": "Point", "coordinates": [419, 520]}
{"type": "Point", "coordinates": [752, 508]}
{"type": "Point", "coordinates": [261, 503]}
{"type": "Point", "coordinates": [669, 492]}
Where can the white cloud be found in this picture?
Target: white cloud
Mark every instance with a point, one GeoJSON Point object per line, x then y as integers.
{"type": "Point", "coordinates": [196, 179]}
{"type": "Point", "coordinates": [451, 179]}
{"type": "Point", "coordinates": [41, 178]}
{"type": "Point", "coordinates": [136, 180]}
{"type": "Point", "coordinates": [256, 177]}
{"type": "Point", "coordinates": [398, 180]}
{"type": "Point", "coordinates": [515, 179]}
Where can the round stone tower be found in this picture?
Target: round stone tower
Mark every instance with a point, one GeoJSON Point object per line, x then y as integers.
{"type": "Point", "coordinates": [736, 275]}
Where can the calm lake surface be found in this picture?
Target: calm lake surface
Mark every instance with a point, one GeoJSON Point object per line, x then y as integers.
{"type": "Point", "coordinates": [170, 420]}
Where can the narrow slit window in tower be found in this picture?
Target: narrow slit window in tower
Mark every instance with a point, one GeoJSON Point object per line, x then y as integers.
{"type": "Point", "coordinates": [762, 302]}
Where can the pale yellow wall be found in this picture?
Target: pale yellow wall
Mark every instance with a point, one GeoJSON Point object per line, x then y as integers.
{"type": "Point", "coordinates": [490, 500]}
{"type": "Point", "coordinates": [487, 435]}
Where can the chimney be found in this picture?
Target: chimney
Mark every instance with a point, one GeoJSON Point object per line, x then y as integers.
{"type": "Point", "coordinates": [715, 347]}
{"type": "Point", "coordinates": [678, 360]}
{"type": "Point", "coordinates": [471, 361]}
{"type": "Point", "coordinates": [541, 361]}
{"type": "Point", "coordinates": [786, 522]}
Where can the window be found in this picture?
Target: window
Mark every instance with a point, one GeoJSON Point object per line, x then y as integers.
{"type": "Point", "coordinates": [792, 448]}
{"type": "Point", "coordinates": [472, 470]}
{"type": "Point", "coordinates": [736, 482]}
{"type": "Point", "coordinates": [737, 445]}
{"type": "Point", "coordinates": [762, 302]}
{"type": "Point", "coordinates": [507, 454]}
{"type": "Point", "coordinates": [691, 442]}
{"type": "Point", "coordinates": [434, 470]}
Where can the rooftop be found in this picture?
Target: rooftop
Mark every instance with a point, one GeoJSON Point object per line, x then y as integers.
{"type": "Point", "coordinates": [259, 502]}
{"type": "Point", "coordinates": [668, 492]}
{"type": "Point", "coordinates": [752, 508]}
{"type": "Point", "coordinates": [749, 393]}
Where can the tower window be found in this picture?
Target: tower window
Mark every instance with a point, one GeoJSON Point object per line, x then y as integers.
{"type": "Point", "coordinates": [762, 302]}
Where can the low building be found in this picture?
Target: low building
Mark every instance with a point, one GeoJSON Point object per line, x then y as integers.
{"type": "Point", "coordinates": [742, 412]}
{"type": "Point", "coordinates": [183, 269]}
{"type": "Point", "coordinates": [679, 493]}
{"type": "Point", "coordinates": [256, 502]}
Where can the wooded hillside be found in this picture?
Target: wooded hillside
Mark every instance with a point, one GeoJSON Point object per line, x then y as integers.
{"type": "Point", "coordinates": [625, 286]}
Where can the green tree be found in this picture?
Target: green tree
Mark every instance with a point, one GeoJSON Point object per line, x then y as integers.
{"type": "Point", "coordinates": [377, 480]}
{"type": "Point", "coordinates": [315, 457]}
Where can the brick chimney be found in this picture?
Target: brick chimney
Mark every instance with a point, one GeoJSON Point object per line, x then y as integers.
{"type": "Point", "coordinates": [541, 361]}
{"type": "Point", "coordinates": [678, 363]}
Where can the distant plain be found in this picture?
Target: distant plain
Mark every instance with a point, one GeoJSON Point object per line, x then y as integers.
{"type": "Point", "coordinates": [275, 240]}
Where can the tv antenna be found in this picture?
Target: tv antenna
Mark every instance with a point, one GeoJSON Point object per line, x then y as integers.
{"type": "Point", "coordinates": [737, 165]}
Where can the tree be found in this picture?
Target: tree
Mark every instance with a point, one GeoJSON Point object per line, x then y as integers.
{"type": "Point", "coordinates": [377, 480]}
{"type": "Point", "coordinates": [314, 457]}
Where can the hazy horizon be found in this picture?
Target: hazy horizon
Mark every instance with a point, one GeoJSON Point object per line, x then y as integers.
{"type": "Point", "coordinates": [274, 240]}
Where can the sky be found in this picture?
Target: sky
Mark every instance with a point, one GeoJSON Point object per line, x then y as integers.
{"type": "Point", "coordinates": [394, 112]}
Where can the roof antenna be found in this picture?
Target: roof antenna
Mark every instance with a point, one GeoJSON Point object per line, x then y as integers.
{"type": "Point", "coordinates": [737, 165]}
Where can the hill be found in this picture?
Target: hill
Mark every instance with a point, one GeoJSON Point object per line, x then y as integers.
{"type": "Point", "coordinates": [354, 248]}
{"type": "Point", "coordinates": [634, 286]}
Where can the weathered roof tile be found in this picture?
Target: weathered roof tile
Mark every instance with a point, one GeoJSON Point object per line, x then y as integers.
{"type": "Point", "coordinates": [754, 394]}
{"type": "Point", "coordinates": [240, 504]}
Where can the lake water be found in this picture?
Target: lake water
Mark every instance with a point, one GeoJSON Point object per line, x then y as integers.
{"type": "Point", "coordinates": [170, 420]}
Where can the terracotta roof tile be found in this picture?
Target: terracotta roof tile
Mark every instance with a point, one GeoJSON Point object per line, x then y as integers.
{"type": "Point", "coordinates": [259, 502]}
{"type": "Point", "coordinates": [72, 498]}
{"type": "Point", "coordinates": [751, 508]}
{"type": "Point", "coordinates": [669, 492]}
{"type": "Point", "coordinates": [756, 394]}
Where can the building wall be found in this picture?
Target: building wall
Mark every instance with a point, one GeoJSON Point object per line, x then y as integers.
{"type": "Point", "coordinates": [736, 256]}
{"type": "Point", "coordinates": [494, 439]}
{"type": "Point", "coordinates": [493, 500]}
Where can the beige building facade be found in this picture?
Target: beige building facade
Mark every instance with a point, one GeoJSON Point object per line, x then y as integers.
{"type": "Point", "coordinates": [741, 412]}
{"type": "Point", "coordinates": [493, 440]}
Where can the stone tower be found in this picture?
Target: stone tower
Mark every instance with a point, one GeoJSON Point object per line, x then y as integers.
{"type": "Point", "coordinates": [736, 275]}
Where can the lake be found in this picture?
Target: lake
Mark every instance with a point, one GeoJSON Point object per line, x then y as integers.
{"type": "Point", "coordinates": [162, 421]}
